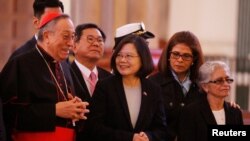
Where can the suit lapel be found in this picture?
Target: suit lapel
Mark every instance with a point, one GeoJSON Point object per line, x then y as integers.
{"type": "Point", "coordinates": [145, 102]}
{"type": "Point", "coordinates": [228, 113]}
{"type": "Point", "coordinates": [121, 94]}
{"type": "Point", "coordinates": [206, 112]}
{"type": "Point", "coordinates": [101, 74]}
{"type": "Point", "coordinates": [78, 73]}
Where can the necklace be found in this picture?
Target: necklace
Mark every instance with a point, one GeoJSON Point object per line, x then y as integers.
{"type": "Point", "coordinates": [52, 74]}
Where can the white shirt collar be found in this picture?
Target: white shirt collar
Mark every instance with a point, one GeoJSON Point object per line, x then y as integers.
{"type": "Point", "coordinates": [84, 70]}
{"type": "Point", "coordinates": [186, 83]}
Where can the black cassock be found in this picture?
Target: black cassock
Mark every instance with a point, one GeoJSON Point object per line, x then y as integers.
{"type": "Point", "coordinates": [29, 94]}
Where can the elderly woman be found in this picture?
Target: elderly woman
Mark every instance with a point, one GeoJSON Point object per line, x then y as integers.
{"type": "Point", "coordinates": [215, 82]}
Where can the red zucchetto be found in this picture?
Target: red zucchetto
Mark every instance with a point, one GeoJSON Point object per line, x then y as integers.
{"type": "Point", "coordinates": [47, 18]}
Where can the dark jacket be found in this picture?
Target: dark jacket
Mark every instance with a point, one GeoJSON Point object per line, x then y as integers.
{"type": "Point", "coordinates": [24, 48]}
{"type": "Point", "coordinates": [196, 117]}
{"type": "Point", "coordinates": [109, 118]}
{"type": "Point", "coordinates": [174, 100]}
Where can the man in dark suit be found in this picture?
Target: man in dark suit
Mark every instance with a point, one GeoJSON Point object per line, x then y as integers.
{"type": "Point", "coordinates": [40, 8]}
{"type": "Point", "coordinates": [88, 50]}
{"type": "Point", "coordinates": [35, 86]}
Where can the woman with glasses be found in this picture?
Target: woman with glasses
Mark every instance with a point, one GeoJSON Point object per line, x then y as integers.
{"type": "Point", "coordinates": [215, 82]}
{"type": "Point", "coordinates": [127, 106]}
{"type": "Point", "coordinates": [178, 72]}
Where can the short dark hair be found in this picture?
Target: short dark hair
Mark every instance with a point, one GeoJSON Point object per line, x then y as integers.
{"type": "Point", "coordinates": [81, 27]}
{"type": "Point", "coordinates": [189, 39]}
{"type": "Point", "coordinates": [40, 5]}
{"type": "Point", "coordinates": [143, 51]}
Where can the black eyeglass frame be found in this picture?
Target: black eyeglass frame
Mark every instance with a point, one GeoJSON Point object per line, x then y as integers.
{"type": "Point", "coordinates": [185, 56]}
{"type": "Point", "coordinates": [91, 39]}
{"type": "Point", "coordinates": [222, 81]}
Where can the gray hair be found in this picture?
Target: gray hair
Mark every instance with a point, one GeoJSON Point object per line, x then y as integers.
{"type": "Point", "coordinates": [208, 68]}
{"type": "Point", "coordinates": [50, 26]}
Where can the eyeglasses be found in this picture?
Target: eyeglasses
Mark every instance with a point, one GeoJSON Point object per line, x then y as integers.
{"type": "Point", "coordinates": [126, 56]}
{"type": "Point", "coordinates": [68, 37]}
{"type": "Point", "coordinates": [221, 81]}
{"type": "Point", "coordinates": [91, 39]}
{"type": "Point", "coordinates": [185, 56]}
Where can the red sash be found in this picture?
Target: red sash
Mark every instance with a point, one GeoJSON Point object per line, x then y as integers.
{"type": "Point", "coordinates": [60, 134]}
